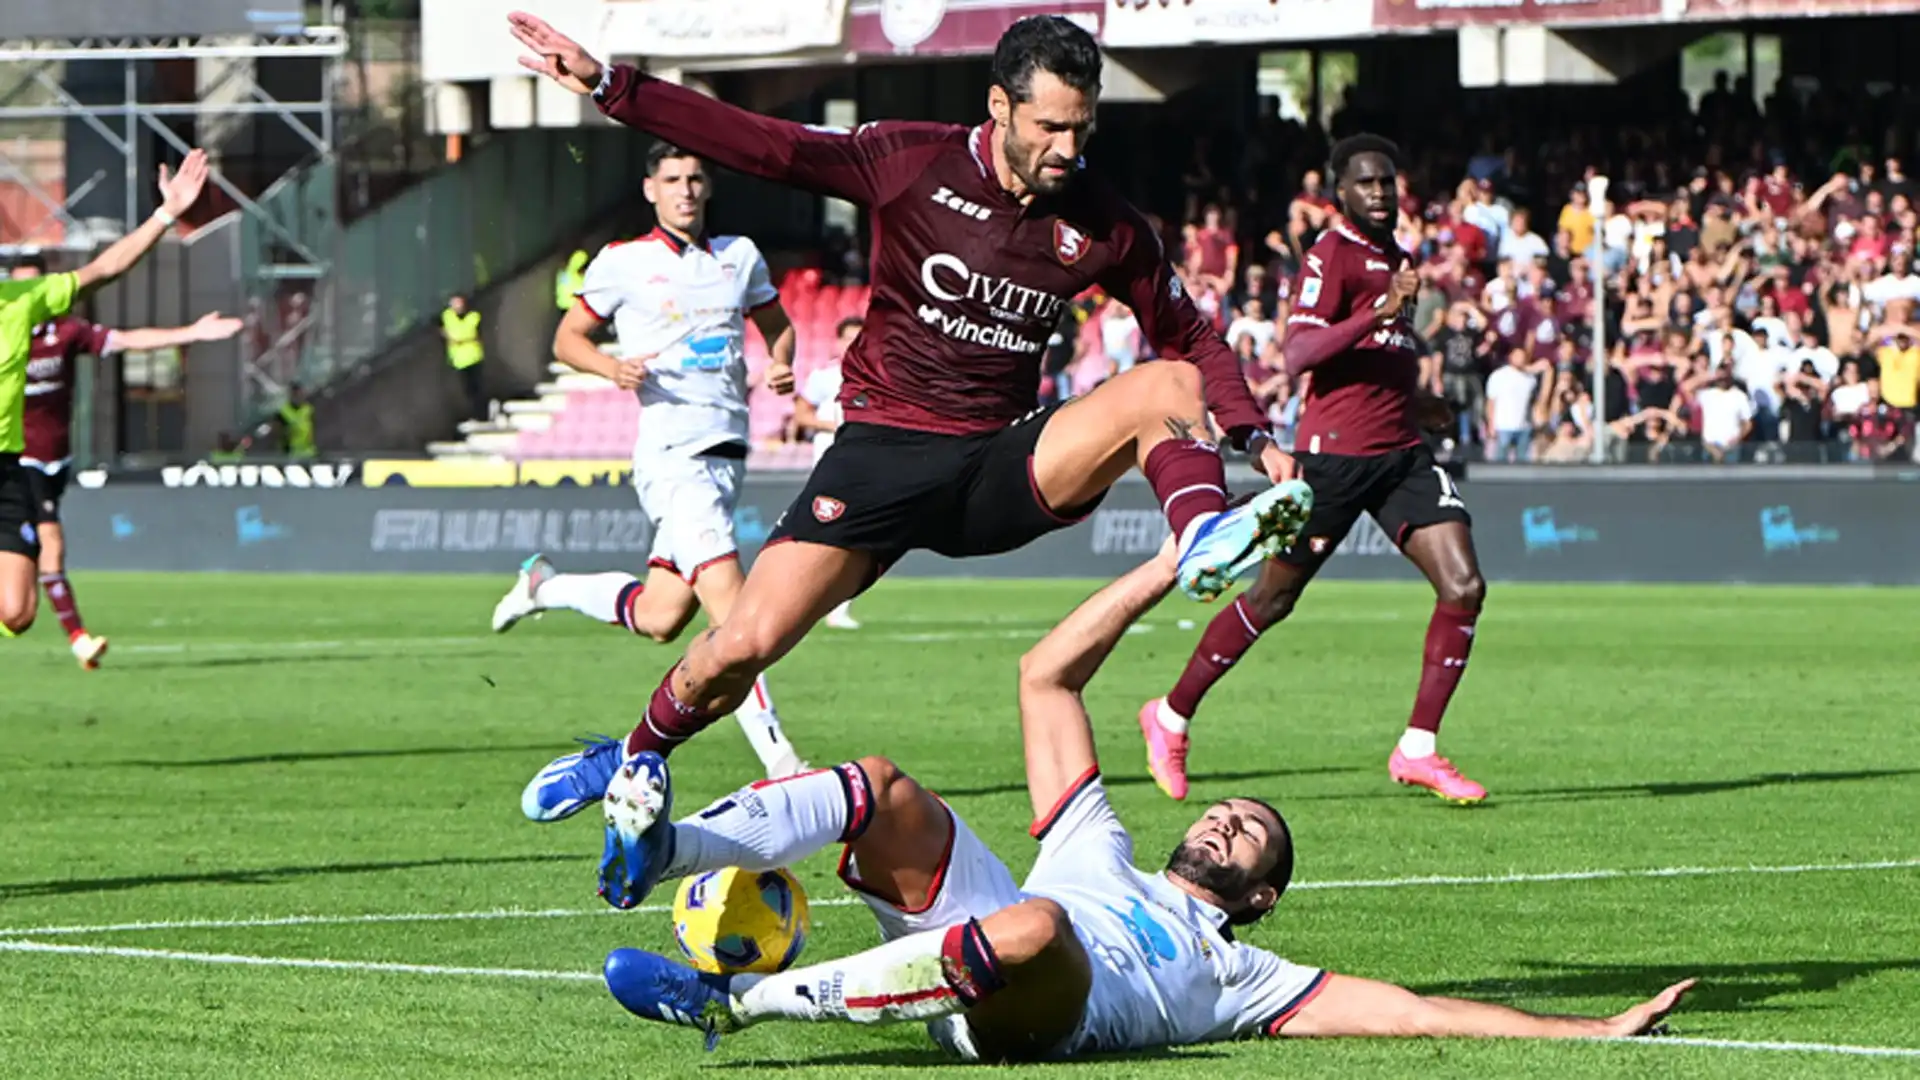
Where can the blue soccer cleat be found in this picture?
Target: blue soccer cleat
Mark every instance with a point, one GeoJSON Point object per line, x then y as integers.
{"type": "Point", "coordinates": [571, 782]}
{"type": "Point", "coordinates": [639, 806]}
{"type": "Point", "coordinates": [1234, 541]}
{"type": "Point", "coordinates": [653, 987]}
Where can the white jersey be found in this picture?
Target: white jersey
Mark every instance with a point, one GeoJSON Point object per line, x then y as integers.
{"type": "Point", "coordinates": [822, 391]}
{"type": "Point", "coordinates": [685, 306]}
{"type": "Point", "coordinates": [1166, 970]}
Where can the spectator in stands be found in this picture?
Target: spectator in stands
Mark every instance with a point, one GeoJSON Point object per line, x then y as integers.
{"type": "Point", "coordinates": [460, 329]}
{"type": "Point", "coordinates": [817, 416]}
{"type": "Point", "coordinates": [1252, 326]}
{"type": "Point", "coordinates": [1726, 412]}
{"type": "Point", "coordinates": [1214, 256]}
{"type": "Point", "coordinates": [1520, 244]}
{"type": "Point", "coordinates": [1511, 393]}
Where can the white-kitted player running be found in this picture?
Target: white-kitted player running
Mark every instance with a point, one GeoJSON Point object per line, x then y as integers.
{"type": "Point", "coordinates": [679, 301]}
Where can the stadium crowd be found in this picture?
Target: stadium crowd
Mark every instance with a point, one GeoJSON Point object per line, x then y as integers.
{"type": "Point", "coordinates": [1760, 286]}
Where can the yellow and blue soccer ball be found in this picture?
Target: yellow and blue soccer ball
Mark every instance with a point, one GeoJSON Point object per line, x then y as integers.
{"type": "Point", "coordinates": [732, 921]}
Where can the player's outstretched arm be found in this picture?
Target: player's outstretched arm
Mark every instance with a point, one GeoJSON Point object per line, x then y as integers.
{"type": "Point", "coordinates": [1362, 1007]}
{"type": "Point", "coordinates": [1053, 719]}
{"type": "Point", "coordinates": [210, 327]}
{"type": "Point", "coordinates": [178, 191]}
{"type": "Point", "coordinates": [862, 167]}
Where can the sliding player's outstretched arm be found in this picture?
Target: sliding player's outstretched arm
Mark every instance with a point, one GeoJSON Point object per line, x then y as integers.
{"type": "Point", "coordinates": [867, 166]}
{"type": "Point", "coordinates": [1053, 720]}
{"type": "Point", "coordinates": [1363, 1007]}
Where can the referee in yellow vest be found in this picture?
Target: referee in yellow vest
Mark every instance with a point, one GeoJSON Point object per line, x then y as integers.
{"type": "Point", "coordinates": [461, 329]}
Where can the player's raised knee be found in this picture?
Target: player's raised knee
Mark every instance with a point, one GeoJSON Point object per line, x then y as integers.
{"type": "Point", "coordinates": [891, 786]}
{"type": "Point", "coordinates": [1174, 386]}
{"type": "Point", "coordinates": [1028, 930]}
{"type": "Point", "coordinates": [1466, 590]}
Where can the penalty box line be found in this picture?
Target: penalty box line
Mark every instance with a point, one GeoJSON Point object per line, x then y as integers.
{"type": "Point", "coordinates": [1431, 881]}
{"type": "Point", "coordinates": [391, 968]}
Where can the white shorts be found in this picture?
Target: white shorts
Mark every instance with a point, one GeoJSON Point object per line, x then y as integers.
{"type": "Point", "coordinates": [689, 499]}
{"type": "Point", "coordinates": [970, 883]}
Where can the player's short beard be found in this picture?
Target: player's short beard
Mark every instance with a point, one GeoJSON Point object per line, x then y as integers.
{"type": "Point", "coordinates": [1017, 155]}
{"type": "Point", "coordinates": [1191, 862]}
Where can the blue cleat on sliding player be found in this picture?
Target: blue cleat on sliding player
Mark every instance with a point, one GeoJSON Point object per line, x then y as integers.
{"type": "Point", "coordinates": [639, 807]}
{"type": "Point", "coordinates": [653, 987]}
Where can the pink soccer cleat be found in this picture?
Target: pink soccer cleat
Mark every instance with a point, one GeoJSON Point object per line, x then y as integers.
{"type": "Point", "coordinates": [1437, 775]}
{"type": "Point", "coordinates": [1166, 751]}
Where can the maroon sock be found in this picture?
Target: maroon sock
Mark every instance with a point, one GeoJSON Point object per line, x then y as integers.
{"type": "Point", "coordinates": [1188, 478]}
{"type": "Point", "coordinates": [668, 723]}
{"type": "Point", "coordinates": [60, 595]}
{"type": "Point", "coordinates": [1226, 639]}
{"type": "Point", "coordinates": [1449, 640]}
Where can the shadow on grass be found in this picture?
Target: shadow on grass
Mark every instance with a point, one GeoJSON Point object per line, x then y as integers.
{"type": "Point", "coordinates": [1659, 789]}
{"type": "Point", "coordinates": [932, 1058]}
{"type": "Point", "coordinates": [1134, 780]}
{"type": "Point", "coordinates": [197, 663]}
{"type": "Point", "coordinates": [294, 757]}
{"type": "Point", "coordinates": [270, 875]}
{"type": "Point", "coordinates": [1723, 988]}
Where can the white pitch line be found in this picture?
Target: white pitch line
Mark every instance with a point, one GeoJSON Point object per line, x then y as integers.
{"type": "Point", "coordinates": [390, 968]}
{"type": "Point", "coordinates": [1613, 875]}
{"type": "Point", "coordinates": [1004, 632]}
{"type": "Point", "coordinates": [847, 901]}
{"type": "Point", "coordinates": [1780, 1047]}
{"type": "Point", "coordinates": [291, 961]}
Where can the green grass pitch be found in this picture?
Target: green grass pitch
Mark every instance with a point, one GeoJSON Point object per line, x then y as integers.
{"type": "Point", "coordinates": [260, 748]}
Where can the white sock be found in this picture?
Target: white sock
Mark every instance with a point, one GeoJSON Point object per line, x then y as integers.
{"type": "Point", "coordinates": [1171, 720]}
{"type": "Point", "coordinates": [774, 824]}
{"type": "Point", "coordinates": [1417, 743]}
{"type": "Point", "coordinates": [762, 726]}
{"type": "Point", "coordinates": [597, 596]}
{"type": "Point", "coordinates": [901, 980]}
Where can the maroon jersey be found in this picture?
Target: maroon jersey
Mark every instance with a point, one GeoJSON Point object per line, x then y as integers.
{"type": "Point", "coordinates": [968, 282]}
{"type": "Point", "coordinates": [1366, 373]}
{"type": "Point", "coordinates": [57, 349]}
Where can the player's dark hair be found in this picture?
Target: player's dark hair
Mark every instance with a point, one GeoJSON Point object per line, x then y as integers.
{"type": "Point", "coordinates": [1353, 146]}
{"type": "Point", "coordinates": [1282, 873]}
{"type": "Point", "coordinates": [851, 322]}
{"type": "Point", "coordinates": [665, 151]}
{"type": "Point", "coordinates": [31, 260]}
{"type": "Point", "coordinates": [1049, 43]}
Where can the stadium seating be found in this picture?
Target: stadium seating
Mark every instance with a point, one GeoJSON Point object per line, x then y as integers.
{"type": "Point", "coordinates": [578, 416]}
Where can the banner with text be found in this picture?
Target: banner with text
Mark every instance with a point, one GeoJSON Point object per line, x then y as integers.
{"type": "Point", "coordinates": [1392, 15]}
{"type": "Point", "coordinates": [951, 27]}
{"type": "Point", "coordinates": [682, 29]}
{"type": "Point", "coordinates": [1154, 23]}
{"type": "Point", "coordinates": [1673, 530]}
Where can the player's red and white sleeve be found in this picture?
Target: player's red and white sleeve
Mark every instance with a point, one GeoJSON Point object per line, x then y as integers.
{"type": "Point", "coordinates": [1267, 991]}
{"type": "Point", "coordinates": [1083, 821]}
{"type": "Point", "coordinates": [602, 290]}
{"type": "Point", "coordinates": [760, 291]}
{"type": "Point", "coordinates": [1145, 281]}
{"type": "Point", "coordinates": [868, 165]}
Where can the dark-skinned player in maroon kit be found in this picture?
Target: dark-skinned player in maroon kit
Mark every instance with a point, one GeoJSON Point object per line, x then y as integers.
{"type": "Point", "coordinates": [1360, 449]}
{"type": "Point", "coordinates": [981, 238]}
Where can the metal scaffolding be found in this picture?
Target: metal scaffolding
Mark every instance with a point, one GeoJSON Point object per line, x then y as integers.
{"type": "Point", "coordinates": [230, 90]}
{"type": "Point", "coordinates": [131, 113]}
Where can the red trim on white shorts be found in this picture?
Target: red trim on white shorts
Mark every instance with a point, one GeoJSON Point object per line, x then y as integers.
{"type": "Point", "coordinates": [933, 890]}
{"type": "Point", "coordinates": [695, 575]}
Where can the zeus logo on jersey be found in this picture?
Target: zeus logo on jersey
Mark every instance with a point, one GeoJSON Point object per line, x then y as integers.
{"type": "Point", "coordinates": [945, 197]}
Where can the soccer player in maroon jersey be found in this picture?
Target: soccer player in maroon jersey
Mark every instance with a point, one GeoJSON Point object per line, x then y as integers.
{"type": "Point", "coordinates": [1360, 449]}
{"type": "Point", "coordinates": [51, 366]}
{"type": "Point", "coordinates": [982, 237]}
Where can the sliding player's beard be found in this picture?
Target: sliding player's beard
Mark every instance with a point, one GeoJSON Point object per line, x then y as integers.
{"type": "Point", "coordinates": [1232, 884]}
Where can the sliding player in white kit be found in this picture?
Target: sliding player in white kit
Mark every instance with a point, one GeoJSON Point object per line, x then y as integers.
{"type": "Point", "coordinates": [1090, 954]}
{"type": "Point", "coordinates": [679, 300]}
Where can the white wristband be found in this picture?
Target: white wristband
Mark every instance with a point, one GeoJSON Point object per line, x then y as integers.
{"type": "Point", "coordinates": [606, 81]}
{"type": "Point", "coordinates": [166, 220]}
